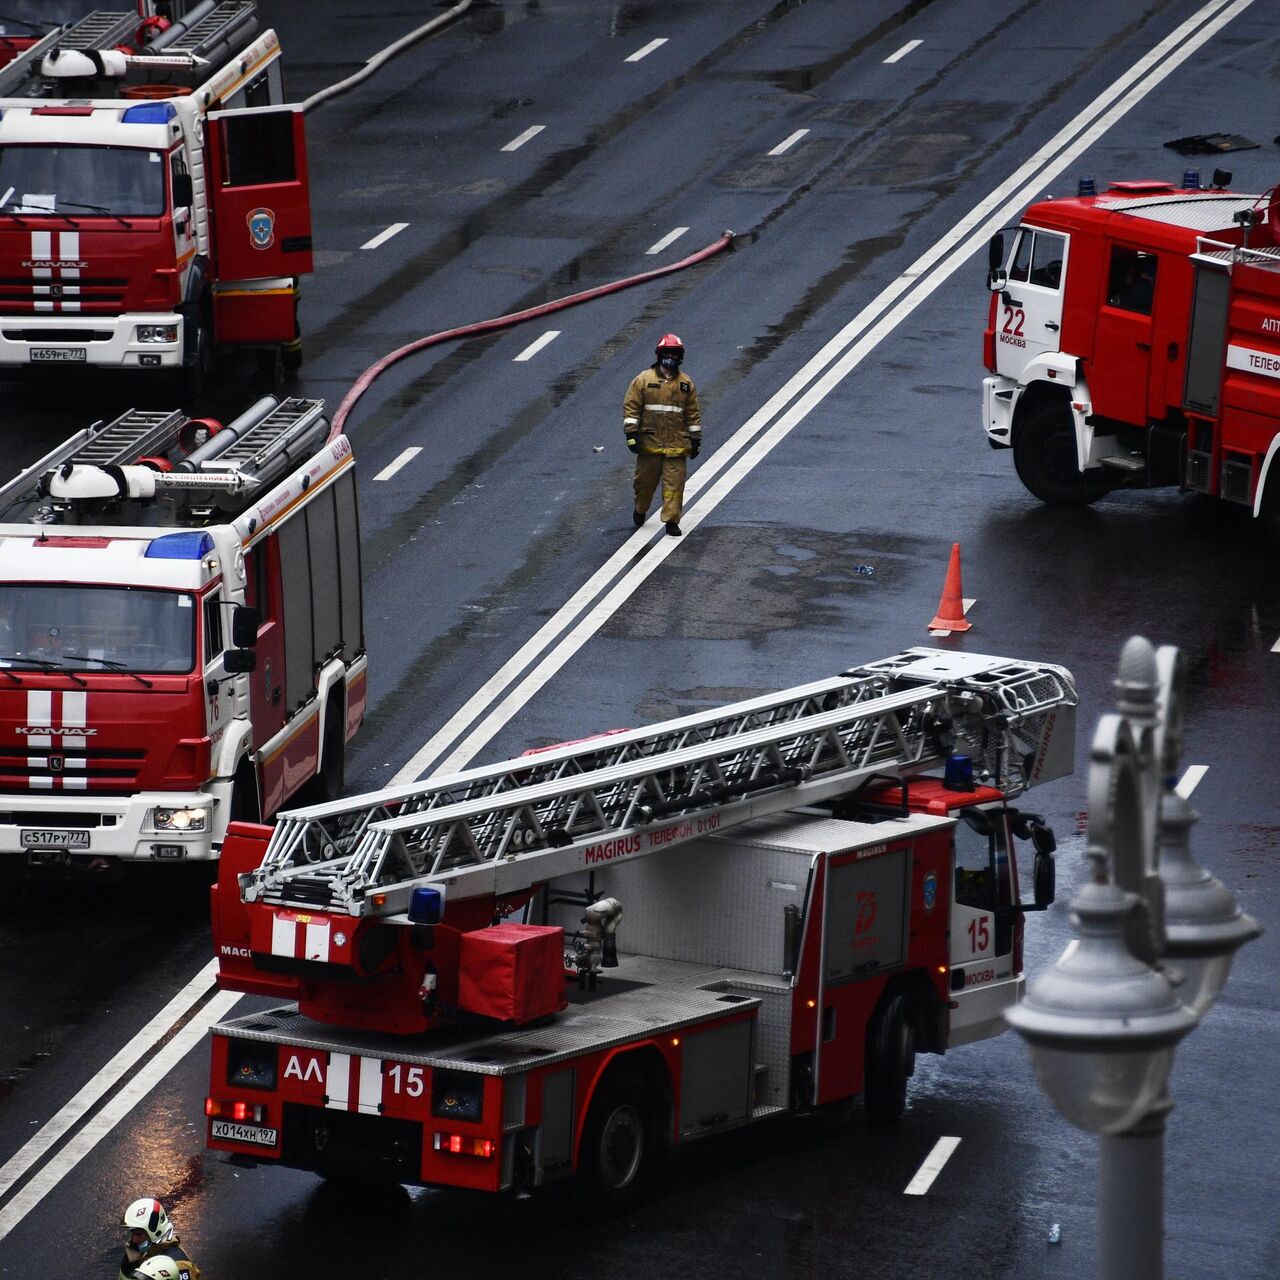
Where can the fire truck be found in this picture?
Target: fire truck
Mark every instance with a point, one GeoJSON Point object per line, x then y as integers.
{"type": "Point", "coordinates": [806, 909]}
{"type": "Point", "coordinates": [1133, 340]}
{"type": "Point", "coordinates": [181, 638]}
{"type": "Point", "coordinates": [153, 195]}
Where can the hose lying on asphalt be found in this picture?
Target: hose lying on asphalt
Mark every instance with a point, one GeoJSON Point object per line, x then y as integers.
{"type": "Point", "coordinates": [386, 55]}
{"type": "Point", "coordinates": [364, 381]}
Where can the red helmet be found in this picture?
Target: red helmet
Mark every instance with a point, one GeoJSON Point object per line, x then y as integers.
{"type": "Point", "coordinates": [669, 342]}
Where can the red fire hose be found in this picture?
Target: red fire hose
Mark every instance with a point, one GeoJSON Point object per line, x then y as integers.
{"type": "Point", "coordinates": [364, 381]}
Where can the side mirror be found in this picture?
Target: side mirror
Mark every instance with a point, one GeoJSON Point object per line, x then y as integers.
{"type": "Point", "coordinates": [995, 252]}
{"type": "Point", "coordinates": [184, 193]}
{"type": "Point", "coordinates": [244, 626]}
{"type": "Point", "coordinates": [997, 279]}
{"type": "Point", "coordinates": [1045, 878]}
{"type": "Point", "coordinates": [239, 662]}
{"type": "Point", "coordinates": [1043, 841]}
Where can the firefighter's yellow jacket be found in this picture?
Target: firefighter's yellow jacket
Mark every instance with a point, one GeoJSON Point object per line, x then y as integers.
{"type": "Point", "coordinates": [662, 413]}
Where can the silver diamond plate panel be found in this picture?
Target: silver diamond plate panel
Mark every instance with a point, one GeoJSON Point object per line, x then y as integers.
{"type": "Point", "coordinates": [1196, 213]}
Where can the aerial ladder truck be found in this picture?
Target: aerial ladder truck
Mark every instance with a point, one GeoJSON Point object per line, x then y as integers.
{"type": "Point", "coordinates": [806, 908]}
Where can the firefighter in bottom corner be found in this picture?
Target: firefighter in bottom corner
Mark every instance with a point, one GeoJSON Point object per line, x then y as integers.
{"type": "Point", "coordinates": [153, 1250]}
{"type": "Point", "coordinates": [663, 427]}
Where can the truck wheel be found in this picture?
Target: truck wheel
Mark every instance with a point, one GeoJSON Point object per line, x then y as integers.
{"type": "Point", "coordinates": [891, 1061]}
{"type": "Point", "coordinates": [1044, 453]}
{"type": "Point", "coordinates": [619, 1153]}
{"type": "Point", "coordinates": [197, 361]}
{"type": "Point", "coordinates": [328, 784]}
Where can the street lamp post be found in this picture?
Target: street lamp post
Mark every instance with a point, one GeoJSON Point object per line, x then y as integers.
{"type": "Point", "coordinates": [1103, 1023]}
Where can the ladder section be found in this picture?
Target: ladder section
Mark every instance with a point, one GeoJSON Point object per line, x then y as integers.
{"type": "Point", "coordinates": [215, 28]}
{"type": "Point", "coordinates": [101, 29]}
{"type": "Point", "coordinates": [252, 450]}
{"type": "Point", "coordinates": [323, 833]}
{"type": "Point", "coordinates": [136, 433]}
{"type": "Point", "coordinates": [505, 828]}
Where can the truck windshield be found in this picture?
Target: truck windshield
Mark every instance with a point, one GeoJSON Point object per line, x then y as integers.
{"type": "Point", "coordinates": [74, 627]}
{"type": "Point", "coordinates": [73, 181]}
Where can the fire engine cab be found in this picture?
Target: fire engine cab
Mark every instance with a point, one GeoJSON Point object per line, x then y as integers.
{"type": "Point", "coordinates": [181, 639]}
{"type": "Point", "coordinates": [563, 963]}
{"type": "Point", "coordinates": [153, 195]}
{"type": "Point", "coordinates": [1133, 339]}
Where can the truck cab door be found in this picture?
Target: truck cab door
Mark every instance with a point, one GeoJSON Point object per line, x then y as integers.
{"type": "Point", "coordinates": [256, 169]}
{"type": "Point", "coordinates": [1029, 309]}
{"type": "Point", "coordinates": [985, 930]}
{"type": "Point", "coordinates": [1120, 370]}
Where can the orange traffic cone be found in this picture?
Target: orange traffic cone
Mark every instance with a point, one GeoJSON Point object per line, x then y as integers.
{"type": "Point", "coordinates": [950, 615]}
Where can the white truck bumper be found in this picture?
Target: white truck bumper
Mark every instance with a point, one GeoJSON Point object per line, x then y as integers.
{"type": "Point", "coordinates": [84, 832]}
{"type": "Point", "coordinates": [80, 340]}
{"type": "Point", "coordinates": [998, 395]}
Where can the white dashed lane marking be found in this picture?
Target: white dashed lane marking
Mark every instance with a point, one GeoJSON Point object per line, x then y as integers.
{"type": "Point", "coordinates": [403, 459]}
{"type": "Point", "coordinates": [646, 50]}
{"type": "Point", "coordinates": [902, 53]}
{"type": "Point", "coordinates": [942, 1151]}
{"type": "Point", "coordinates": [666, 240]}
{"type": "Point", "coordinates": [383, 236]}
{"type": "Point", "coordinates": [1191, 780]}
{"type": "Point", "coordinates": [534, 347]}
{"type": "Point", "coordinates": [531, 132]}
{"type": "Point", "coordinates": [787, 143]}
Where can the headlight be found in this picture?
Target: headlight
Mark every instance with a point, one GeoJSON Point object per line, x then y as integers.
{"type": "Point", "coordinates": [156, 333]}
{"type": "Point", "coordinates": [179, 819]}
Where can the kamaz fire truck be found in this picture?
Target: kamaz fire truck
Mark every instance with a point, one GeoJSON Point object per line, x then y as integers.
{"type": "Point", "coordinates": [181, 639]}
{"type": "Point", "coordinates": [1133, 340]}
{"type": "Point", "coordinates": [806, 908]}
{"type": "Point", "coordinates": [153, 195]}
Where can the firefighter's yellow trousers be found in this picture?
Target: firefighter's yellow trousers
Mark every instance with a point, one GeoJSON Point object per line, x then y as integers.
{"type": "Point", "coordinates": [671, 469]}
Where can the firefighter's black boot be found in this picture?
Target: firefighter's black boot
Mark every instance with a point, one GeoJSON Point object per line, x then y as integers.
{"type": "Point", "coordinates": [673, 529]}
{"type": "Point", "coordinates": [637, 518]}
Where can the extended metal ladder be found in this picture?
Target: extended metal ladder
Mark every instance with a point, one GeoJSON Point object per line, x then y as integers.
{"type": "Point", "coordinates": [101, 29]}
{"type": "Point", "coordinates": [503, 828]}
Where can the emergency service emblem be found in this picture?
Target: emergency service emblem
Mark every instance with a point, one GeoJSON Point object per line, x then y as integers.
{"type": "Point", "coordinates": [262, 228]}
{"type": "Point", "coordinates": [930, 890]}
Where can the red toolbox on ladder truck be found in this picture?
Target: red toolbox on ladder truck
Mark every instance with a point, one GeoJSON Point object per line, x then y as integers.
{"type": "Point", "coordinates": [767, 907]}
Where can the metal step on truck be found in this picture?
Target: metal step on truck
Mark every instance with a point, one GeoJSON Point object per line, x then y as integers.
{"type": "Point", "coordinates": [181, 635]}
{"type": "Point", "coordinates": [807, 907]}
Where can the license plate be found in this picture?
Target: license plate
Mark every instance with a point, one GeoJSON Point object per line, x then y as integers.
{"type": "Point", "coordinates": [34, 838]}
{"type": "Point", "coordinates": [73, 354]}
{"type": "Point", "coordinates": [231, 1131]}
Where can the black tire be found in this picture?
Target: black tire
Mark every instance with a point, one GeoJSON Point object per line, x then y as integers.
{"type": "Point", "coordinates": [198, 360]}
{"type": "Point", "coordinates": [245, 804]}
{"type": "Point", "coordinates": [328, 784]}
{"type": "Point", "coordinates": [291, 356]}
{"type": "Point", "coordinates": [891, 1060]}
{"type": "Point", "coordinates": [619, 1153]}
{"type": "Point", "coordinates": [1044, 453]}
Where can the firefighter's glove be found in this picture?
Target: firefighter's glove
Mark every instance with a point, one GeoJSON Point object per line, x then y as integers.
{"type": "Point", "coordinates": [695, 445]}
{"type": "Point", "coordinates": [633, 444]}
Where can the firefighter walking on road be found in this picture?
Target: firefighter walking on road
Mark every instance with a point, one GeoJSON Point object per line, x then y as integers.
{"type": "Point", "coordinates": [663, 427]}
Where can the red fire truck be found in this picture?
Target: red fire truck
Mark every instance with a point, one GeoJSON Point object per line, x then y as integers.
{"type": "Point", "coordinates": [805, 910]}
{"type": "Point", "coordinates": [1133, 340]}
{"type": "Point", "coordinates": [181, 639]}
{"type": "Point", "coordinates": [153, 195]}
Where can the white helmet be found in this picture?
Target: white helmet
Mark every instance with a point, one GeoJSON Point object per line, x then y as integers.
{"type": "Point", "coordinates": [149, 1216]}
{"type": "Point", "coordinates": [160, 1268]}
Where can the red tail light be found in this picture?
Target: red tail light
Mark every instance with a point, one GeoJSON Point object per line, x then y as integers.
{"type": "Point", "coordinates": [245, 1112]}
{"type": "Point", "coordinates": [460, 1144]}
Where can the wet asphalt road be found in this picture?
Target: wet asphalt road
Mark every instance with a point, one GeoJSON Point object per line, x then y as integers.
{"type": "Point", "coordinates": [508, 509]}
